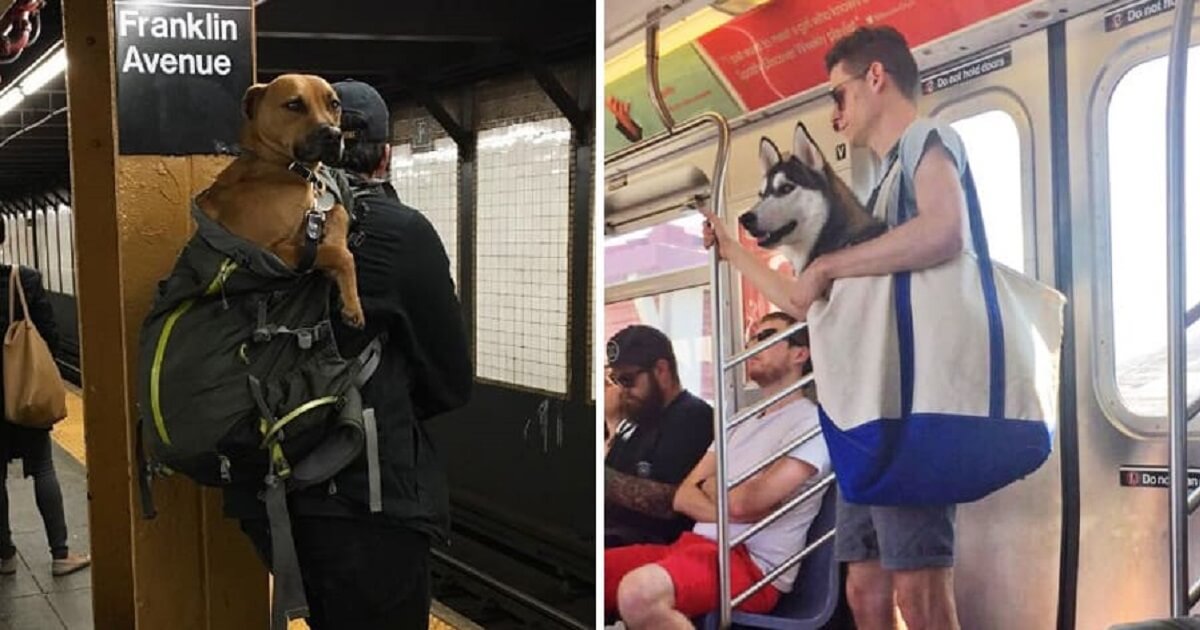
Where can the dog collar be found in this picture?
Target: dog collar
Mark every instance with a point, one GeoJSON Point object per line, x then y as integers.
{"type": "Point", "coordinates": [303, 171]}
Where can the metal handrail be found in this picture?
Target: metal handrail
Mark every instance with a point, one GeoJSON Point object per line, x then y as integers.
{"type": "Point", "coordinates": [814, 432]}
{"type": "Point", "coordinates": [758, 407]}
{"type": "Point", "coordinates": [660, 106]}
{"type": "Point", "coordinates": [762, 524]}
{"type": "Point", "coordinates": [778, 571]}
{"type": "Point", "coordinates": [739, 359]}
{"type": "Point", "coordinates": [1181, 588]}
{"type": "Point", "coordinates": [716, 286]}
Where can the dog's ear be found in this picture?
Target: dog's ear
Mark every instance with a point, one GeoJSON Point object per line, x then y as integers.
{"type": "Point", "coordinates": [250, 100]}
{"type": "Point", "coordinates": [806, 150]}
{"type": "Point", "coordinates": [768, 154]}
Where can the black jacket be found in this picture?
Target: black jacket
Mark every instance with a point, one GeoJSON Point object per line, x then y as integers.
{"type": "Point", "coordinates": [406, 290]}
{"type": "Point", "coordinates": [42, 314]}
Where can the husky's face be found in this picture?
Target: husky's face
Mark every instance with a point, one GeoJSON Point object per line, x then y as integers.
{"type": "Point", "coordinates": [793, 205]}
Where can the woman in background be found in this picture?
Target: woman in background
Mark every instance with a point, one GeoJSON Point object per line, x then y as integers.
{"type": "Point", "coordinates": [32, 446]}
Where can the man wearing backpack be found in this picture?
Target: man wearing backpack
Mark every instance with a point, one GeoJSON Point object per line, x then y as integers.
{"type": "Point", "coordinates": [365, 559]}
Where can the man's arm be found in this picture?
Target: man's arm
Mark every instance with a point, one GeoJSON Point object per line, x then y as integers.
{"type": "Point", "coordinates": [442, 373]}
{"type": "Point", "coordinates": [751, 500]}
{"type": "Point", "coordinates": [646, 496]}
{"type": "Point", "coordinates": [759, 495]}
{"type": "Point", "coordinates": [692, 501]}
{"type": "Point", "coordinates": [928, 239]}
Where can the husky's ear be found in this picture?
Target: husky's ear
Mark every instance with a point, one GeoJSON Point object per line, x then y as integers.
{"type": "Point", "coordinates": [768, 154]}
{"type": "Point", "coordinates": [806, 150]}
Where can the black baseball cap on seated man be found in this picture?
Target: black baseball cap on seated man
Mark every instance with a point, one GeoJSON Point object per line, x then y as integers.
{"type": "Point", "coordinates": [365, 115]}
{"type": "Point", "coordinates": [640, 346]}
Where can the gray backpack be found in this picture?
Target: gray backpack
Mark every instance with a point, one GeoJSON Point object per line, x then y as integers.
{"type": "Point", "coordinates": [241, 382]}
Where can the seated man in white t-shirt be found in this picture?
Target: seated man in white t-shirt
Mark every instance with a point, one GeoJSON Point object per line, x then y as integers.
{"type": "Point", "coordinates": [662, 586]}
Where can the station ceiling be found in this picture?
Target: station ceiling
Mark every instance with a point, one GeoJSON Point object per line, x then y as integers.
{"type": "Point", "coordinates": [406, 48]}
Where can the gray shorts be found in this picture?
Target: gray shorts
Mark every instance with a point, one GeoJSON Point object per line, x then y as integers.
{"type": "Point", "coordinates": [902, 538]}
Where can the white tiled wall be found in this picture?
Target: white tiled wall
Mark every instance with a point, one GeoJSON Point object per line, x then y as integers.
{"type": "Point", "coordinates": [428, 181]}
{"type": "Point", "coordinates": [523, 210]}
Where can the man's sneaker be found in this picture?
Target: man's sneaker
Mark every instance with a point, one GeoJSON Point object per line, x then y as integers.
{"type": "Point", "coordinates": [8, 566]}
{"type": "Point", "coordinates": [70, 564]}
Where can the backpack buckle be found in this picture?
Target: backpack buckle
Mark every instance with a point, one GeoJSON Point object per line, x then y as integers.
{"type": "Point", "coordinates": [304, 338]}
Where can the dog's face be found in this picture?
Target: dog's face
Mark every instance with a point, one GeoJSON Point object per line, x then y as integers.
{"type": "Point", "coordinates": [793, 204]}
{"type": "Point", "coordinates": [296, 115]}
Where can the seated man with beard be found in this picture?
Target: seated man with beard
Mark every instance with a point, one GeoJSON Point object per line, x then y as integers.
{"type": "Point", "coordinates": [666, 430]}
{"type": "Point", "coordinates": [661, 586]}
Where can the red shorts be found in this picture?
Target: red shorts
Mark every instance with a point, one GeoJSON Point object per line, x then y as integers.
{"type": "Point", "coordinates": [691, 562]}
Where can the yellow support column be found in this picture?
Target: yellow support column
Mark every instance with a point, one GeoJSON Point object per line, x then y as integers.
{"type": "Point", "coordinates": [188, 568]}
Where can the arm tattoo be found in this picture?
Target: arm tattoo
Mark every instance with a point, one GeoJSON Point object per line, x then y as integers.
{"type": "Point", "coordinates": [652, 498]}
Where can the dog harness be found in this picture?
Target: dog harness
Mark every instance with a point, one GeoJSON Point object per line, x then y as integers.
{"type": "Point", "coordinates": [324, 198]}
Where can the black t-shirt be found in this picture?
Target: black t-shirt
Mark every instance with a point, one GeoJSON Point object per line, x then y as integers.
{"type": "Point", "coordinates": [664, 451]}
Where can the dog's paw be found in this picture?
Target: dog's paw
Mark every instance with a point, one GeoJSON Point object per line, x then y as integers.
{"type": "Point", "coordinates": [354, 317]}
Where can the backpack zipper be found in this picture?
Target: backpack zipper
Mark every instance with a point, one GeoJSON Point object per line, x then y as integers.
{"type": "Point", "coordinates": [218, 282]}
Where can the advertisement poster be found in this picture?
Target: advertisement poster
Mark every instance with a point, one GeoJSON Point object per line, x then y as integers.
{"type": "Point", "coordinates": [689, 87]}
{"type": "Point", "coordinates": [778, 50]}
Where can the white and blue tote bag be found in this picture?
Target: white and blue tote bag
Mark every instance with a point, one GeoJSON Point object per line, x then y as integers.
{"type": "Point", "coordinates": [937, 386]}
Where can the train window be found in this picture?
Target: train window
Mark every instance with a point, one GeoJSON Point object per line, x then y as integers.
{"type": "Point", "coordinates": [521, 254]}
{"type": "Point", "coordinates": [66, 250]}
{"type": "Point", "coordinates": [684, 317]}
{"type": "Point", "coordinates": [994, 148]}
{"type": "Point", "coordinates": [666, 247]}
{"type": "Point", "coordinates": [1137, 235]}
{"type": "Point", "coordinates": [428, 181]}
{"type": "Point", "coordinates": [53, 268]}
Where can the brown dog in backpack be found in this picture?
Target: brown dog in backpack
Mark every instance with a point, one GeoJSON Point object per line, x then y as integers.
{"type": "Point", "coordinates": [272, 194]}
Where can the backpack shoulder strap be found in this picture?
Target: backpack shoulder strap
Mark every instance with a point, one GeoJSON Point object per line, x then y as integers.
{"type": "Point", "coordinates": [369, 359]}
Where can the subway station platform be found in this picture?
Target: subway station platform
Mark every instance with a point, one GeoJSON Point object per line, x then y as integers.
{"type": "Point", "coordinates": [34, 600]}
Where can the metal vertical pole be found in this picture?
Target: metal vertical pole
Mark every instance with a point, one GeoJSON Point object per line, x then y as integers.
{"type": "Point", "coordinates": [716, 291]}
{"type": "Point", "coordinates": [1176, 340]}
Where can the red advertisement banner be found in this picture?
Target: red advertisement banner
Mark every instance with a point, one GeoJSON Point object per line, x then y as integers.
{"type": "Point", "coordinates": [778, 50]}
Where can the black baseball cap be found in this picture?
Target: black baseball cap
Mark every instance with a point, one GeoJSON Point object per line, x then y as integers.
{"type": "Point", "coordinates": [639, 346]}
{"type": "Point", "coordinates": [365, 115]}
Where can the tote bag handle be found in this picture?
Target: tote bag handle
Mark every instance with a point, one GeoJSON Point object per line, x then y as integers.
{"type": "Point", "coordinates": [903, 301]}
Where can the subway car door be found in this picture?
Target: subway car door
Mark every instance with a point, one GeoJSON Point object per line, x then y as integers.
{"type": "Point", "coordinates": [1117, 70]}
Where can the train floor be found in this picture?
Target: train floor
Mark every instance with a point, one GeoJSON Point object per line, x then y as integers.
{"type": "Point", "coordinates": [34, 600]}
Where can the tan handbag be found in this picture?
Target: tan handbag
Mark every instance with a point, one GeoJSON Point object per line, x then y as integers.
{"type": "Point", "coordinates": [34, 394]}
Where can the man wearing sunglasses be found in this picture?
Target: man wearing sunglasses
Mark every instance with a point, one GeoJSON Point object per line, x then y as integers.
{"type": "Point", "coordinates": [899, 554]}
{"type": "Point", "coordinates": [664, 433]}
{"type": "Point", "coordinates": [662, 586]}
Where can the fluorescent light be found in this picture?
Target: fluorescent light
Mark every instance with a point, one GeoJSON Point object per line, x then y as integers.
{"type": "Point", "coordinates": [9, 100]}
{"type": "Point", "coordinates": [46, 69]}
